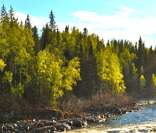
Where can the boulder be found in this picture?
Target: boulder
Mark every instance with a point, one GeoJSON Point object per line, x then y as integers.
{"type": "Point", "coordinates": [79, 123]}
{"type": "Point", "coordinates": [62, 127]}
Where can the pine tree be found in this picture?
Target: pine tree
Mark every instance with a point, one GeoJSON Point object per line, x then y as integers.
{"type": "Point", "coordinates": [35, 37]}
{"type": "Point", "coordinates": [67, 29]}
{"type": "Point", "coordinates": [11, 15]}
{"type": "Point", "coordinates": [85, 32]}
{"type": "Point", "coordinates": [52, 21]}
{"type": "Point", "coordinates": [141, 53]}
{"type": "Point", "coordinates": [4, 14]}
{"type": "Point", "coordinates": [45, 37]}
{"type": "Point", "coordinates": [27, 22]}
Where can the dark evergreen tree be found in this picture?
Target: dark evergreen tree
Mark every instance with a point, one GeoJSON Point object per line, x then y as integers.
{"type": "Point", "coordinates": [11, 15]}
{"type": "Point", "coordinates": [85, 32]}
{"type": "Point", "coordinates": [4, 14]}
{"type": "Point", "coordinates": [45, 37]}
{"type": "Point", "coordinates": [52, 23]}
{"type": "Point", "coordinates": [35, 37]}
{"type": "Point", "coordinates": [27, 22]}
{"type": "Point", "coordinates": [67, 29]}
{"type": "Point", "coordinates": [141, 54]}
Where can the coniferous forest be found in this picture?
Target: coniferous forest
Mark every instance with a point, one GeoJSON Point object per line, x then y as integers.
{"type": "Point", "coordinates": [44, 69]}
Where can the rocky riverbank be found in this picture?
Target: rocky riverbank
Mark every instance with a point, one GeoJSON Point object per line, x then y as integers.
{"type": "Point", "coordinates": [43, 126]}
{"type": "Point", "coordinates": [57, 121]}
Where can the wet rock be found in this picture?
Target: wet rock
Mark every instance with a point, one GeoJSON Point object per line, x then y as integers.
{"type": "Point", "coordinates": [79, 123]}
{"type": "Point", "coordinates": [98, 119]}
{"type": "Point", "coordinates": [8, 128]}
{"type": "Point", "coordinates": [62, 127]}
{"type": "Point", "coordinates": [90, 119]}
{"type": "Point", "coordinates": [144, 130]}
{"type": "Point", "coordinates": [153, 129]}
{"type": "Point", "coordinates": [47, 129]}
{"type": "Point", "coordinates": [67, 121]}
{"type": "Point", "coordinates": [102, 120]}
{"type": "Point", "coordinates": [114, 131]}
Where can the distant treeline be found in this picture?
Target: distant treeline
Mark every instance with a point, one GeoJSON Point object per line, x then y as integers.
{"type": "Point", "coordinates": [41, 69]}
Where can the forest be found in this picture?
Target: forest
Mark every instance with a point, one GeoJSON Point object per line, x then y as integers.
{"type": "Point", "coordinates": [45, 68]}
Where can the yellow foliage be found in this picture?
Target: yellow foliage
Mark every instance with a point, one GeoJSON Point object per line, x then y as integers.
{"type": "Point", "coordinates": [142, 81]}
{"type": "Point", "coordinates": [55, 76]}
{"type": "Point", "coordinates": [71, 74]}
{"type": "Point", "coordinates": [2, 64]}
{"type": "Point", "coordinates": [154, 80]}
{"type": "Point", "coordinates": [109, 70]}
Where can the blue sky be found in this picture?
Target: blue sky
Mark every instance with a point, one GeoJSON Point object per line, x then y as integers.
{"type": "Point", "coordinates": [127, 19]}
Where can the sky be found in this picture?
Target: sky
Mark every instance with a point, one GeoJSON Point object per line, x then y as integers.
{"type": "Point", "coordinates": [110, 19]}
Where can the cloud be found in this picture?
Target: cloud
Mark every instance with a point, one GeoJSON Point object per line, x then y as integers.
{"type": "Point", "coordinates": [122, 24]}
{"type": "Point", "coordinates": [125, 11]}
{"type": "Point", "coordinates": [38, 21]}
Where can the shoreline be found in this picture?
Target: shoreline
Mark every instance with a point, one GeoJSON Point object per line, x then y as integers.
{"type": "Point", "coordinates": [143, 127]}
{"type": "Point", "coordinates": [69, 123]}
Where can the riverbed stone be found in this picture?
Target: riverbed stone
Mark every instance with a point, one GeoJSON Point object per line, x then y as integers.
{"type": "Point", "coordinates": [62, 127]}
{"type": "Point", "coordinates": [79, 123]}
{"type": "Point", "coordinates": [144, 130]}
{"type": "Point", "coordinates": [45, 129]}
{"type": "Point", "coordinates": [114, 131]}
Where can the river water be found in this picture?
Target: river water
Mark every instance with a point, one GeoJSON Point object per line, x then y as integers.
{"type": "Point", "coordinates": [144, 118]}
{"type": "Point", "coordinates": [145, 115]}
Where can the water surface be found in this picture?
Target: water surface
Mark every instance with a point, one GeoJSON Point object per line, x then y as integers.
{"type": "Point", "coordinates": [143, 117]}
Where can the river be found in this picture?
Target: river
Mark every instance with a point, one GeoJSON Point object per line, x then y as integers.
{"type": "Point", "coordinates": [143, 120]}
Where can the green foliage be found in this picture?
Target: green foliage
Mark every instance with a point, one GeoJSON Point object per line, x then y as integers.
{"type": "Point", "coordinates": [8, 76]}
{"type": "Point", "coordinates": [126, 57]}
{"type": "Point", "coordinates": [134, 69]}
{"type": "Point", "coordinates": [18, 90]}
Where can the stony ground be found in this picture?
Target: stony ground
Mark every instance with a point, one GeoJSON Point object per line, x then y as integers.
{"type": "Point", "coordinates": [54, 124]}
{"type": "Point", "coordinates": [50, 121]}
{"type": "Point", "coordinates": [145, 128]}
{"type": "Point", "coordinates": [43, 126]}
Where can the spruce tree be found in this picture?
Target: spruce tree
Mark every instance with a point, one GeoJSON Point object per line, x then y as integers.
{"type": "Point", "coordinates": [35, 37]}
{"type": "Point", "coordinates": [27, 22]}
{"type": "Point", "coordinates": [52, 21]}
{"type": "Point", "coordinates": [4, 14]}
{"type": "Point", "coordinates": [141, 53]}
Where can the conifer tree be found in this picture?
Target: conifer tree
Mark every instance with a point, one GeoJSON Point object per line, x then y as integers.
{"type": "Point", "coordinates": [11, 15]}
{"type": "Point", "coordinates": [27, 22]}
{"type": "Point", "coordinates": [4, 14]}
{"type": "Point", "coordinates": [35, 37]}
{"type": "Point", "coordinates": [52, 23]}
{"type": "Point", "coordinates": [141, 53]}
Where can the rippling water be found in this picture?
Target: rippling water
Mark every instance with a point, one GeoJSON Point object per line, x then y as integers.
{"type": "Point", "coordinates": [144, 116]}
